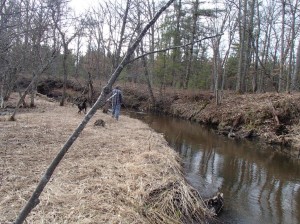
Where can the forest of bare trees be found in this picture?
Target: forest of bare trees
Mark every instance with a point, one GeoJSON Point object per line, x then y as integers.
{"type": "Point", "coordinates": [241, 46]}
{"type": "Point", "coordinates": [244, 46]}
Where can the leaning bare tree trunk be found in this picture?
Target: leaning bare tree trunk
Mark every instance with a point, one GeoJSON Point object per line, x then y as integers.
{"type": "Point", "coordinates": [31, 84]}
{"type": "Point", "coordinates": [144, 61]}
{"type": "Point", "coordinates": [34, 199]}
{"type": "Point", "coordinates": [22, 98]}
{"type": "Point", "coordinates": [117, 59]}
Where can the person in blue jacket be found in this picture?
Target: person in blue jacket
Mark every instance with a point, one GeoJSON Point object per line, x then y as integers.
{"type": "Point", "coordinates": [117, 100]}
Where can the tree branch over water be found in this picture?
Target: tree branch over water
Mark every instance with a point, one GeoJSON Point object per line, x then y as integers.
{"type": "Point", "coordinates": [174, 47]}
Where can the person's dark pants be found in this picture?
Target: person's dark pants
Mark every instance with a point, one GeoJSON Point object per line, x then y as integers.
{"type": "Point", "coordinates": [116, 111]}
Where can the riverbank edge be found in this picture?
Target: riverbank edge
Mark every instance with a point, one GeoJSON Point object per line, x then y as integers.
{"type": "Point", "coordinates": [271, 118]}
{"type": "Point", "coordinates": [121, 172]}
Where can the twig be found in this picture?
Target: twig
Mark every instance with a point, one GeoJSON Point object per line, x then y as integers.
{"type": "Point", "coordinates": [175, 47]}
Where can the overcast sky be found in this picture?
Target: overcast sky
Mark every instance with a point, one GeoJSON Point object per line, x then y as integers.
{"type": "Point", "coordinates": [82, 5]}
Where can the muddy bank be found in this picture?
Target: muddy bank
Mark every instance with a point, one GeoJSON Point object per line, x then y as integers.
{"type": "Point", "coordinates": [116, 172]}
{"type": "Point", "coordinates": [270, 117]}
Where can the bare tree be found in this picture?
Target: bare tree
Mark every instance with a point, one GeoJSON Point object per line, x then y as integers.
{"type": "Point", "coordinates": [36, 75]}
{"type": "Point", "coordinates": [195, 16]}
{"type": "Point", "coordinates": [96, 62]}
{"type": "Point", "coordinates": [255, 41]}
{"type": "Point", "coordinates": [177, 36]}
{"type": "Point", "coordinates": [267, 18]}
{"type": "Point", "coordinates": [122, 34]}
{"type": "Point", "coordinates": [249, 50]}
{"type": "Point", "coordinates": [297, 69]}
{"type": "Point", "coordinates": [242, 18]}
{"type": "Point", "coordinates": [37, 54]}
{"type": "Point", "coordinates": [144, 59]}
{"type": "Point", "coordinates": [58, 9]}
{"type": "Point", "coordinates": [34, 199]}
{"type": "Point", "coordinates": [293, 29]}
{"type": "Point", "coordinates": [282, 50]}
{"type": "Point", "coordinates": [23, 48]}
{"type": "Point", "coordinates": [10, 60]}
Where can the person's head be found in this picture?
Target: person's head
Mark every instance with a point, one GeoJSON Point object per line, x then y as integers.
{"type": "Point", "coordinates": [117, 87]}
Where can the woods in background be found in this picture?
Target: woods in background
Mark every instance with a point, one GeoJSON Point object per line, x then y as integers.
{"type": "Point", "coordinates": [254, 45]}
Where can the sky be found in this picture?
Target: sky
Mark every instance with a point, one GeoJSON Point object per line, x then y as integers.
{"type": "Point", "coordinates": [82, 5]}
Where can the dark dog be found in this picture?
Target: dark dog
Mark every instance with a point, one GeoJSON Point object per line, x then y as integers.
{"type": "Point", "coordinates": [82, 106]}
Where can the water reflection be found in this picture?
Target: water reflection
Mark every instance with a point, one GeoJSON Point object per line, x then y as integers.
{"type": "Point", "coordinates": [259, 185]}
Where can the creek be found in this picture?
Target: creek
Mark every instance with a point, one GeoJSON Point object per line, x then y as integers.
{"type": "Point", "coordinates": [259, 184]}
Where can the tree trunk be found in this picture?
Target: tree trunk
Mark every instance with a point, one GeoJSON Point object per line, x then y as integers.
{"type": "Point", "coordinates": [256, 40]}
{"type": "Point", "coordinates": [282, 58]}
{"type": "Point", "coordinates": [250, 37]}
{"type": "Point", "coordinates": [120, 44]}
{"type": "Point", "coordinates": [91, 88]}
{"type": "Point", "coordinates": [290, 76]}
{"type": "Point", "coordinates": [65, 74]}
{"type": "Point", "coordinates": [191, 48]}
{"type": "Point", "coordinates": [32, 202]}
{"type": "Point", "coordinates": [297, 68]}
{"type": "Point", "coordinates": [176, 52]}
{"type": "Point", "coordinates": [1, 94]}
{"type": "Point", "coordinates": [146, 72]}
{"type": "Point", "coordinates": [35, 76]}
{"type": "Point", "coordinates": [216, 69]}
{"type": "Point", "coordinates": [240, 87]}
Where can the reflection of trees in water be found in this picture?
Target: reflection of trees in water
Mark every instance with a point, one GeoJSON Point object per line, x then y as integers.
{"type": "Point", "coordinates": [297, 196]}
{"type": "Point", "coordinates": [250, 185]}
{"type": "Point", "coordinates": [260, 184]}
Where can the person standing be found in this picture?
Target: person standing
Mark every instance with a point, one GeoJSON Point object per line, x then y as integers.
{"type": "Point", "coordinates": [117, 100]}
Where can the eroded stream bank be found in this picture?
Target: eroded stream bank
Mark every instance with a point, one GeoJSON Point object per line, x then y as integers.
{"type": "Point", "coordinates": [259, 184]}
{"type": "Point", "coordinates": [271, 117]}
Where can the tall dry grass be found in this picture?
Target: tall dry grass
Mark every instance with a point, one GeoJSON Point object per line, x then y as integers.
{"type": "Point", "coordinates": [121, 173]}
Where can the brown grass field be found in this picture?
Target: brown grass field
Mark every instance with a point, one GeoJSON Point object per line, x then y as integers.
{"type": "Point", "coordinates": [123, 172]}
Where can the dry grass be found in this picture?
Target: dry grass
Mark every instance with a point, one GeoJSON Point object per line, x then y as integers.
{"type": "Point", "coordinates": [121, 173]}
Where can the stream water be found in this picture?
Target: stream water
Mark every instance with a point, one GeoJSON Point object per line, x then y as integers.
{"type": "Point", "coordinates": [260, 185]}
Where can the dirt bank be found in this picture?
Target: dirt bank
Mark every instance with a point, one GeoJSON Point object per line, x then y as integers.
{"type": "Point", "coordinates": [120, 173]}
{"type": "Point", "coordinates": [271, 117]}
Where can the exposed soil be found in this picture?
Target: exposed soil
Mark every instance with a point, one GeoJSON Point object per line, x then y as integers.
{"type": "Point", "coordinates": [116, 171]}
{"type": "Point", "coordinates": [271, 117]}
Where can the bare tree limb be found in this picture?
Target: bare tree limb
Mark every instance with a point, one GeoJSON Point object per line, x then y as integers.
{"type": "Point", "coordinates": [35, 76]}
{"type": "Point", "coordinates": [174, 47]}
{"type": "Point", "coordinates": [34, 199]}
